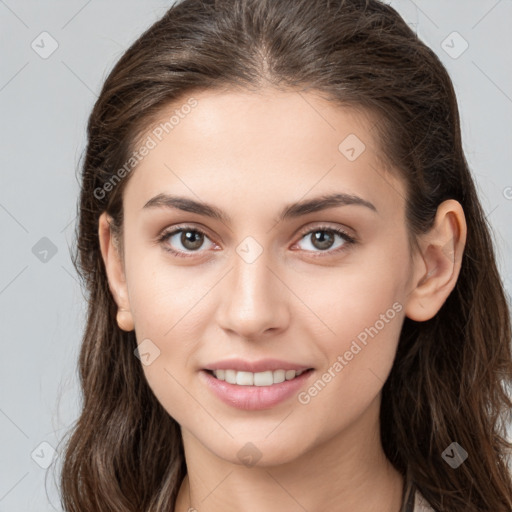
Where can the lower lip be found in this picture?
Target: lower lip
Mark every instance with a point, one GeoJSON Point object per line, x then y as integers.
{"type": "Point", "coordinates": [254, 398]}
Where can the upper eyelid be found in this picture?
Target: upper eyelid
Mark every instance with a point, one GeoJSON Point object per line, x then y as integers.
{"type": "Point", "coordinates": [176, 229]}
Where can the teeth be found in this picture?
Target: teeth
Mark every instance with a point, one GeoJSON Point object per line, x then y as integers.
{"type": "Point", "coordinates": [256, 379]}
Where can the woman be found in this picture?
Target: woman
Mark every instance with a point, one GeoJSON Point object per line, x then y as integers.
{"type": "Point", "coordinates": [294, 301]}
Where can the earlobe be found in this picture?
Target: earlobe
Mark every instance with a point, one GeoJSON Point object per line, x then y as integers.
{"type": "Point", "coordinates": [438, 264]}
{"type": "Point", "coordinates": [125, 320]}
{"type": "Point", "coordinates": [115, 273]}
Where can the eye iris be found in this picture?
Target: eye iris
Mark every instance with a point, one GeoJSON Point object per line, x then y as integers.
{"type": "Point", "coordinates": [191, 237]}
{"type": "Point", "coordinates": [319, 237]}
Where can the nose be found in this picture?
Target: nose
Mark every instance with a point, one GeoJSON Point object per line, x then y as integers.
{"type": "Point", "coordinates": [254, 299]}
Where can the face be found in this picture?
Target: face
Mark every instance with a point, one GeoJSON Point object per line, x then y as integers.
{"type": "Point", "coordinates": [321, 288]}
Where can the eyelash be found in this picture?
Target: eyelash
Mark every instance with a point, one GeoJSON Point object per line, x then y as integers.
{"type": "Point", "coordinates": [349, 240]}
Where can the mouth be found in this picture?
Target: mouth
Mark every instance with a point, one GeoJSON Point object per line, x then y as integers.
{"type": "Point", "coordinates": [255, 391]}
{"type": "Point", "coordinates": [265, 378]}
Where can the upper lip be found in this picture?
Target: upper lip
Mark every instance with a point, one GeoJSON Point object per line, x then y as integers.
{"type": "Point", "coordinates": [255, 366]}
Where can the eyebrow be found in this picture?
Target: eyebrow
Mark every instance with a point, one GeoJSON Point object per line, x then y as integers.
{"type": "Point", "coordinates": [290, 211]}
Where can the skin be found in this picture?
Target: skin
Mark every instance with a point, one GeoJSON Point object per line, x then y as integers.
{"type": "Point", "coordinates": [250, 154]}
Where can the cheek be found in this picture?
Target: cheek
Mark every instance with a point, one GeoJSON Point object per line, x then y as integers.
{"type": "Point", "coordinates": [358, 360]}
{"type": "Point", "coordinates": [169, 314]}
{"type": "Point", "coordinates": [161, 292]}
{"type": "Point", "coordinates": [352, 299]}
{"type": "Point", "coordinates": [171, 389]}
{"type": "Point", "coordinates": [363, 308]}
{"type": "Point", "coordinates": [165, 326]}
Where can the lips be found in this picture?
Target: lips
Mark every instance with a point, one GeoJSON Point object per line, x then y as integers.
{"type": "Point", "coordinates": [261, 365]}
{"type": "Point", "coordinates": [253, 398]}
{"type": "Point", "coordinates": [260, 393]}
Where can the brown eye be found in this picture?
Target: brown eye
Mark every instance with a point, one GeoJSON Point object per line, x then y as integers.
{"type": "Point", "coordinates": [323, 240]}
{"type": "Point", "coordinates": [320, 240]}
{"type": "Point", "coordinates": [191, 240]}
{"type": "Point", "coordinates": [183, 240]}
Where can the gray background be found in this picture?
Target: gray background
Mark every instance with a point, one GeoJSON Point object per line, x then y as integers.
{"type": "Point", "coordinates": [44, 105]}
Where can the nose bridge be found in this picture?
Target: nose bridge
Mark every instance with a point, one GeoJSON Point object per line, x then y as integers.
{"type": "Point", "coordinates": [252, 297]}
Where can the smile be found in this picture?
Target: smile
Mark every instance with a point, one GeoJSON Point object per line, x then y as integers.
{"type": "Point", "coordinates": [255, 391]}
{"type": "Point", "coordinates": [265, 378]}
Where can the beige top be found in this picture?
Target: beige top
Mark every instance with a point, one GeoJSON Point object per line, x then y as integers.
{"type": "Point", "coordinates": [413, 499]}
{"type": "Point", "coordinates": [421, 504]}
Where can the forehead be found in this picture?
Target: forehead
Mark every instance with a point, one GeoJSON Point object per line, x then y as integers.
{"type": "Point", "coordinates": [259, 146]}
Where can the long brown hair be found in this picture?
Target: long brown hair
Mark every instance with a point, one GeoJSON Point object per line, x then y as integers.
{"type": "Point", "coordinates": [448, 383]}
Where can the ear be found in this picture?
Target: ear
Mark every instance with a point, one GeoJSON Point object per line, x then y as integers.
{"type": "Point", "coordinates": [438, 262]}
{"type": "Point", "coordinates": [115, 272]}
